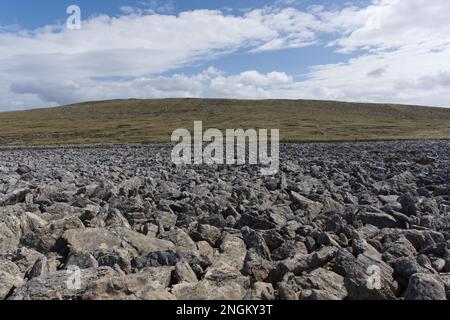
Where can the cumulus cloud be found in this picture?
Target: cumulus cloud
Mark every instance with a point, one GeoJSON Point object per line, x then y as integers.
{"type": "Point", "coordinates": [208, 83]}
{"type": "Point", "coordinates": [405, 46]}
{"type": "Point", "coordinates": [400, 51]}
{"type": "Point", "coordinates": [131, 44]}
{"type": "Point", "coordinates": [393, 24]}
{"type": "Point", "coordinates": [249, 84]}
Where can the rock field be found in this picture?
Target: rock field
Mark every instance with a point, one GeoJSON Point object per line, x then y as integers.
{"type": "Point", "coordinates": [339, 221]}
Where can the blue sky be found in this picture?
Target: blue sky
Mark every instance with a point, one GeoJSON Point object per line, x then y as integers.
{"type": "Point", "coordinates": [362, 50]}
{"type": "Point", "coordinates": [17, 12]}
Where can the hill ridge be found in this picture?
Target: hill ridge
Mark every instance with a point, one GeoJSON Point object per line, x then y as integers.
{"type": "Point", "coordinates": [153, 120]}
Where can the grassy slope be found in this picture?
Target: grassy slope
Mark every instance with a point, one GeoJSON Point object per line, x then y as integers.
{"type": "Point", "coordinates": [154, 120]}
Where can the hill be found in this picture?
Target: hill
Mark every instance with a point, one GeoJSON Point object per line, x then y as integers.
{"type": "Point", "coordinates": [136, 121]}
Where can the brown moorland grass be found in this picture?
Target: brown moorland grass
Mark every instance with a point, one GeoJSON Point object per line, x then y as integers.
{"type": "Point", "coordinates": [144, 121]}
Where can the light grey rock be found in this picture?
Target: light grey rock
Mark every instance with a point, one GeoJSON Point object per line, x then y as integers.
{"type": "Point", "coordinates": [91, 239]}
{"type": "Point", "coordinates": [260, 291]}
{"type": "Point", "coordinates": [310, 207]}
{"type": "Point", "coordinates": [319, 284]}
{"type": "Point", "coordinates": [183, 242]}
{"type": "Point", "coordinates": [45, 239]}
{"type": "Point", "coordinates": [183, 273]}
{"type": "Point", "coordinates": [129, 287]}
{"type": "Point", "coordinates": [59, 285]}
{"type": "Point", "coordinates": [10, 278]}
{"type": "Point", "coordinates": [209, 290]}
{"type": "Point", "coordinates": [43, 265]}
{"type": "Point", "coordinates": [228, 262]}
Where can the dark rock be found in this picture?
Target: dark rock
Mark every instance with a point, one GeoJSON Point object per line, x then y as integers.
{"type": "Point", "coordinates": [408, 204]}
{"type": "Point", "coordinates": [255, 241]}
{"type": "Point", "coordinates": [302, 263]}
{"type": "Point", "coordinates": [365, 278]}
{"type": "Point", "coordinates": [207, 233]}
{"type": "Point", "coordinates": [156, 259]}
{"type": "Point", "coordinates": [256, 266]}
{"type": "Point", "coordinates": [112, 258]}
{"type": "Point", "coordinates": [82, 260]}
{"type": "Point", "coordinates": [424, 286]}
{"type": "Point", "coordinates": [378, 219]}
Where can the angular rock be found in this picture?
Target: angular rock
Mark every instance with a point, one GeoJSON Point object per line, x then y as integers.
{"type": "Point", "coordinates": [320, 284]}
{"type": "Point", "coordinates": [260, 291]}
{"type": "Point", "coordinates": [208, 290]}
{"type": "Point", "coordinates": [156, 259]}
{"type": "Point", "coordinates": [10, 278]}
{"type": "Point", "coordinates": [83, 260]}
{"type": "Point", "coordinates": [365, 278]}
{"type": "Point", "coordinates": [423, 286]}
{"type": "Point", "coordinates": [311, 208]}
{"type": "Point", "coordinates": [378, 219]}
{"type": "Point", "coordinates": [256, 242]}
{"type": "Point", "coordinates": [42, 266]}
{"type": "Point", "coordinates": [91, 239]}
{"type": "Point", "coordinates": [183, 273]}
{"type": "Point", "coordinates": [207, 233]}
{"type": "Point", "coordinates": [59, 285]}
{"type": "Point", "coordinates": [256, 266]}
{"type": "Point", "coordinates": [301, 263]}
{"type": "Point", "coordinates": [129, 287]}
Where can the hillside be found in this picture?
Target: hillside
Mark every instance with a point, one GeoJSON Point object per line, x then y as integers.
{"type": "Point", "coordinates": [154, 120]}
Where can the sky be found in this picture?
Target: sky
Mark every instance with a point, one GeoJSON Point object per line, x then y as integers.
{"type": "Point", "coordinates": [383, 51]}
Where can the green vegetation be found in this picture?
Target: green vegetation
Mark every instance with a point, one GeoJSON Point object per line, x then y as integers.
{"type": "Point", "coordinates": [136, 121]}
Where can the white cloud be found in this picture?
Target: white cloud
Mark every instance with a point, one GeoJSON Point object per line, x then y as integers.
{"type": "Point", "coordinates": [400, 54]}
{"type": "Point", "coordinates": [208, 83]}
{"type": "Point", "coordinates": [295, 28]}
{"type": "Point", "coordinates": [248, 84]}
{"type": "Point", "coordinates": [131, 44]}
{"type": "Point", "coordinates": [406, 48]}
{"type": "Point", "coordinates": [391, 24]}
